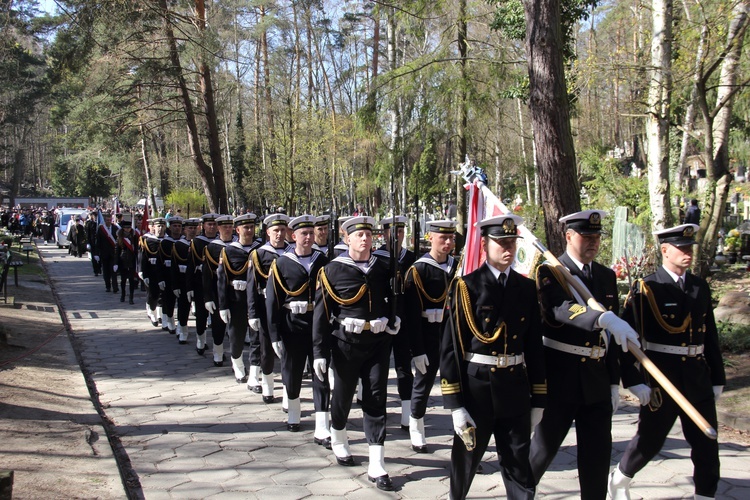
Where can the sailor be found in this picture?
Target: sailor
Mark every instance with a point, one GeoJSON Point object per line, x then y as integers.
{"type": "Point", "coordinates": [321, 233]}
{"type": "Point", "coordinates": [212, 256]}
{"type": "Point", "coordinates": [425, 290]}
{"type": "Point", "coordinates": [351, 327]}
{"type": "Point", "coordinates": [194, 283]}
{"type": "Point", "coordinates": [342, 245]}
{"type": "Point", "coordinates": [232, 289]}
{"type": "Point", "coordinates": [290, 296]}
{"type": "Point", "coordinates": [180, 260]}
{"type": "Point", "coordinates": [164, 265]}
{"type": "Point", "coordinates": [126, 256]}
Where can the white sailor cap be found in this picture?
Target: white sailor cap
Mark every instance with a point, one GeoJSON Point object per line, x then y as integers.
{"type": "Point", "coordinates": [244, 219]}
{"type": "Point", "coordinates": [175, 219]}
{"type": "Point", "coordinates": [158, 221]}
{"type": "Point", "coordinates": [224, 220]}
{"type": "Point", "coordinates": [678, 236]}
{"type": "Point", "coordinates": [323, 220]}
{"type": "Point", "coordinates": [398, 221]}
{"type": "Point", "coordinates": [358, 223]}
{"type": "Point", "coordinates": [500, 226]}
{"type": "Point", "coordinates": [278, 219]}
{"type": "Point", "coordinates": [302, 221]}
{"type": "Point", "coordinates": [342, 221]}
{"type": "Point", "coordinates": [193, 221]}
{"type": "Point", "coordinates": [209, 217]}
{"type": "Point", "coordinates": [441, 226]}
{"type": "Point", "coordinates": [585, 222]}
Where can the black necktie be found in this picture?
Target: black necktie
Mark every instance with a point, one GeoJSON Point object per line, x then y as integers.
{"type": "Point", "coordinates": [681, 283]}
{"type": "Point", "coordinates": [501, 279]}
{"type": "Point", "coordinates": [587, 271]}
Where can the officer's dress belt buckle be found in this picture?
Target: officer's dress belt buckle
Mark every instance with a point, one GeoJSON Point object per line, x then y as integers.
{"type": "Point", "coordinates": [691, 351]}
{"type": "Point", "coordinates": [598, 352]}
{"type": "Point", "coordinates": [595, 352]}
{"type": "Point", "coordinates": [498, 361]}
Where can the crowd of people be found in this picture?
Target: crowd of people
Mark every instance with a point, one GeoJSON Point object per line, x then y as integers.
{"type": "Point", "coordinates": [518, 359]}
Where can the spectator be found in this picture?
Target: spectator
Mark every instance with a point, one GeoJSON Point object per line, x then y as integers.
{"type": "Point", "coordinates": [693, 214]}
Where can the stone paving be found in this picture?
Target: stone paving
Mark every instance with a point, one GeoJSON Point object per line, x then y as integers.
{"type": "Point", "coordinates": [187, 430]}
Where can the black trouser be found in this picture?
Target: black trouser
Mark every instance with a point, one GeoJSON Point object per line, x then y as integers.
{"type": "Point", "coordinates": [183, 308]}
{"type": "Point", "coordinates": [153, 296]}
{"type": "Point", "coordinates": [261, 350]}
{"type": "Point", "coordinates": [593, 437]}
{"type": "Point", "coordinates": [127, 275]}
{"type": "Point", "coordinates": [297, 347]}
{"type": "Point", "coordinates": [512, 443]}
{"type": "Point", "coordinates": [423, 382]}
{"type": "Point", "coordinates": [97, 265]}
{"type": "Point", "coordinates": [653, 428]}
{"type": "Point", "coordinates": [237, 327]}
{"type": "Point", "coordinates": [201, 314]}
{"type": "Point", "coordinates": [168, 301]}
{"type": "Point", "coordinates": [370, 362]}
{"type": "Point", "coordinates": [402, 364]}
{"type": "Point", "coordinates": [110, 277]}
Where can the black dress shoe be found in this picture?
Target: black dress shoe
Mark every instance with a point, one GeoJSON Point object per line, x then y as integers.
{"type": "Point", "coordinates": [346, 462]}
{"type": "Point", "coordinates": [292, 427]}
{"type": "Point", "coordinates": [419, 449]}
{"type": "Point", "coordinates": [256, 389]}
{"type": "Point", "coordinates": [155, 323]}
{"type": "Point", "coordinates": [122, 299]}
{"type": "Point", "coordinates": [242, 380]}
{"type": "Point", "coordinates": [219, 364]}
{"type": "Point", "coordinates": [115, 290]}
{"type": "Point", "coordinates": [131, 302]}
{"type": "Point", "coordinates": [172, 332]}
{"type": "Point", "coordinates": [165, 328]}
{"type": "Point", "coordinates": [323, 442]}
{"type": "Point", "coordinates": [404, 427]}
{"type": "Point", "coordinates": [480, 469]}
{"type": "Point", "coordinates": [182, 342]}
{"type": "Point", "coordinates": [268, 400]}
{"type": "Point", "coordinates": [382, 482]}
{"type": "Point", "coordinates": [200, 350]}
{"type": "Point", "coordinates": [285, 410]}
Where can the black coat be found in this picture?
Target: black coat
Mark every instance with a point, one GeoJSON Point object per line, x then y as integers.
{"type": "Point", "coordinates": [257, 278]}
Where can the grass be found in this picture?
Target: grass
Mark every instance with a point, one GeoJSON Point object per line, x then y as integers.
{"type": "Point", "coordinates": [733, 337]}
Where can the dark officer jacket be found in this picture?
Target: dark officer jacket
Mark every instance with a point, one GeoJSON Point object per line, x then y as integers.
{"type": "Point", "coordinates": [486, 318]}
{"type": "Point", "coordinates": [211, 258]}
{"type": "Point", "coordinates": [288, 282]}
{"type": "Point", "coordinates": [106, 240]}
{"type": "Point", "coordinates": [565, 320]}
{"type": "Point", "coordinates": [164, 261]}
{"type": "Point", "coordinates": [662, 313]}
{"type": "Point", "coordinates": [425, 287]}
{"type": "Point", "coordinates": [180, 257]}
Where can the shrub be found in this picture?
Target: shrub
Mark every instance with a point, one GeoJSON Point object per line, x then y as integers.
{"type": "Point", "coordinates": [733, 337]}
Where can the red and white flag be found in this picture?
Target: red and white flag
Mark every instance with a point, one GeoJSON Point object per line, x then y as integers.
{"type": "Point", "coordinates": [144, 221]}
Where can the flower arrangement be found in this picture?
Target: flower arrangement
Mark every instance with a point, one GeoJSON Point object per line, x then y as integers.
{"type": "Point", "coordinates": [732, 241]}
{"type": "Point", "coordinates": [634, 267]}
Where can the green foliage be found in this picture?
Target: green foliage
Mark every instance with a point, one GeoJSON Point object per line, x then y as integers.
{"type": "Point", "coordinates": [63, 178]}
{"type": "Point", "coordinates": [733, 337]}
{"type": "Point", "coordinates": [95, 180]}
{"type": "Point", "coordinates": [425, 180]}
{"type": "Point", "coordinates": [184, 198]}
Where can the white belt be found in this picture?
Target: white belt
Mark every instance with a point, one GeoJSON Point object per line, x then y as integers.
{"type": "Point", "coordinates": [690, 351]}
{"type": "Point", "coordinates": [595, 352]}
{"type": "Point", "coordinates": [499, 361]}
{"type": "Point", "coordinates": [310, 307]}
{"type": "Point", "coordinates": [366, 327]}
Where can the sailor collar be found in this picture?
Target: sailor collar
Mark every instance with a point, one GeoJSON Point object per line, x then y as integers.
{"type": "Point", "coordinates": [152, 236]}
{"type": "Point", "coordinates": [270, 248]}
{"type": "Point", "coordinates": [237, 244]}
{"type": "Point", "coordinates": [429, 260]}
{"type": "Point", "coordinates": [293, 256]}
{"type": "Point", "coordinates": [345, 259]}
{"type": "Point", "coordinates": [184, 241]}
{"type": "Point", "coordinates": [169, 238]}
{"type": "Point", "coordinates": [203, 238]}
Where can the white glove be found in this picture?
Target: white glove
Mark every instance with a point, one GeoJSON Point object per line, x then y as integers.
{"type": "Point", "coordinates": [140, 274]}
{"type": "Point", "coordinates": [620, 330]}
{"type": "Point", "coordinates": [151, 260]}
{"type": "Point", "coordinates": [378, 325]}
{"type": "Point", "coordinates": [421, 363]}
{"type": "Point", "coordinates": [96, 258]}
{"type": "Point", "coordinates": [88, 247]}
{"type": "Point", "coordinates": [396, 327]}
{"type": "Point", "coordinates": [239, 285]}
{"type": "Point", "coordinates": [145, 280]}
{"type": "Point", "coordinates": [615, 390]}
{"type": "Point", "coordinates": [353, 325]}
{"type": "Point", "coordinates": [176, 292]}
{"type": "Point", "coordinates": [461, 420]}
{"type": "Point", "coordinates": [210, 307]}
{"type": "Point", "coordinates": [642, 392]}
{"type": "Point", "coordinates": [536, 417]}
{"type": "Point", "coordinates": [254, 323]}
{"type": "Point", "coordinates": [226, 316]}
{"type": "Point", "coordinates": [199, 268]}
{"type": "Point", "coordinates": [718, 389]}
{"type": "Point", "coordinates": [190, 295]}
{"type": "Point", "coordinates": [115, 267]}
{"type": "Point", "coordinates": [278, 348]}
{"type": "Point", "coordinates": [319, 367]}
{"type": "Point", "coordinates": [168, 263]}
{"type": "Point", "coordinates": [434, 315]}
{"type": "Point", "coordinates": [182, 268]}
{"type": "Point", "coordinates": [162, 285]}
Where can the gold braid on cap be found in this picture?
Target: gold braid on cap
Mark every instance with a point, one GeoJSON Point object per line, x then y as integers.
{"type": "Point", "coordinates": [258, 267]}
{"type": "Point", "coordinates": [228, 267]}
{"type": "Point", "coordinates": [195, 252]}
{"type": "Point", "coordinates": [422, 292]}
{"type": "Point", "coordinates": [646, 292]}
{"type": "Point", "coordinates": [463, 293]}
{"type": "Point", "coordinates": [291, 293]}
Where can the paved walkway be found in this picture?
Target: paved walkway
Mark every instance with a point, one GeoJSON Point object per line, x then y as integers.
{"type": "Point", "coordinates": [187, 430]}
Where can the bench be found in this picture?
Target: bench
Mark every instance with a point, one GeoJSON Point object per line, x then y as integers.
{"type": "Point", "coordinates": [28, 249]}
{"type": "Point", "coordinates": [7, 265]}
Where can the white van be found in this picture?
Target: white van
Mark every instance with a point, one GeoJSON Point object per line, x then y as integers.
{"type": "Point", "coordinates": [62, 219]}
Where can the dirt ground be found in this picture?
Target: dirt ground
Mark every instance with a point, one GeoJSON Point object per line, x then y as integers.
{"type": "Point", "coordinates": [52, 436]}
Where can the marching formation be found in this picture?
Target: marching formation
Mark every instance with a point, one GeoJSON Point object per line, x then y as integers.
{"type": "Point", "coordinates": [518, 359]}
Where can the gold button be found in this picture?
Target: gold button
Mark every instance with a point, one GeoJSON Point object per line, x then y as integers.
{"type": "Point", "coordinates": [610, 308]}
{"type": "Point", "coordinates": [583, 360]}
{"type": "Point", "coordinates": [515, 337]}
{"type": "Point", "coordinates": [493, 369]}
{"type": "Point", "coordinates": [494, 353]}
{"type": "Point", "coordinates": [587, 344]}
{"type": "Point", "coordinates": [683, 358]}
{"type": "Point", "coordinates": [523, 318]}
{"type": "Point", "coordinates": [671, 316]}
{"type": "Point", "coordinates": [683, 344]}
{"type": "Point", "coordinates": [512, 369]}
{"type": "Point", "coordinates": [486, 320]}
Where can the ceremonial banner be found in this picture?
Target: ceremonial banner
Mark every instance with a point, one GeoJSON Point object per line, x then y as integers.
{"type": "Point", "coordinates": [144, 221]}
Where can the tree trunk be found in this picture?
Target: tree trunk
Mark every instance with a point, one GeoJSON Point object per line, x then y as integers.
{"type": "Point", "coordinates": [206, 175]}
{"type": "Point", "coordinates": [550, 118]}
{"type": "Point", "coordinates": [463, 118]}
{"type": "Point", "coordinates": [717, 134]}
{"type": "Point", "coordinates": [393, 112]}
{"type": "Point", "coordinates": [657, 122]}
